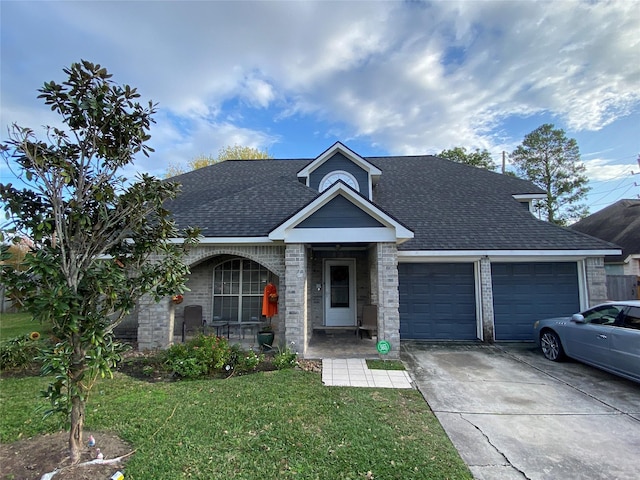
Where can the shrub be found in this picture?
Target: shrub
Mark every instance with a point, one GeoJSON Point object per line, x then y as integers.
{"type": "Point", "coordinates": [21, 352]}
{"type": "Point", "coordinates": [207, 355]}
{"type": "Point", "coordinates": [245, 361]}
{"type": "Point", "coordinates": [285, 358]}
{"type": "Point", "coordinates": [182, 362]}
{"type": "Point", "coordinates": [188, 367]}
{"type": "Point", "coordinates": [213, 352]}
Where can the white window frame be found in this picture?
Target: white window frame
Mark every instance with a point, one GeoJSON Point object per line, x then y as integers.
{"type": "Point", "coordinates": [240, 295]}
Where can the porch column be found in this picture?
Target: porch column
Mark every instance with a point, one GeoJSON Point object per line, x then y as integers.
{"type": "Point", "coordinates": [486, 300]}
{"type": "Point", "coordinates": [388, 297]}
{"type": "Point", "coordinates": [295, 304]}
{"type": "Point", "coordinates": [596, 281]}
{"type": "Point", "coordinates": [155, 323]}
{"type": "Point", "coordinates": [373, 274]}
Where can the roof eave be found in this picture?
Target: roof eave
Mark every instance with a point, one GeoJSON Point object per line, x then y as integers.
{"type": "Point", "coordinates": [347, 152]}
{"type": "Point", "coordinates": [401, 234]}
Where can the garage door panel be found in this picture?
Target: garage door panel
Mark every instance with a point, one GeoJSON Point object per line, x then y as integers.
{"type": "Point", "coordinates": [526, 292]}
{"type": "Point", "coordinates": [437, 301]}
{"type": "Point", "coordinates": [420, 309]}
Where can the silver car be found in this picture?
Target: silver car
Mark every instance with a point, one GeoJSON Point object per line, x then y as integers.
{"type": "Point", "coordinates": [606, 336]}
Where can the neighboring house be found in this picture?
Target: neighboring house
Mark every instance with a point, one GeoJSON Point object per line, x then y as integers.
{"type": "Point", "coordinates": [444, 250]}
{"type": "Point", "coordinates": [619, 224]}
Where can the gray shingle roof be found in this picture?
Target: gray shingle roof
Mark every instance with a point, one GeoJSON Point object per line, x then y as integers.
{"type": "Point", "coordinates": [240, 198]}
{"type": "Point", "coordinates": [449, 206]}
{"type": "Point", "coordinates": [452, 206]}
{"type": "Point", "coordinates": [618, 223]}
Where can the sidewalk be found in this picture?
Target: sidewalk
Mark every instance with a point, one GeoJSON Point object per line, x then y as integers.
{"type": "Point", "coordinates": [354, 372]}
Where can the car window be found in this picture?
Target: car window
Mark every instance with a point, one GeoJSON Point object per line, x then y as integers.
{"type": "Point", "coordinates": [632, 318]}
{"type": "Point", "coordinates": [603, 315]}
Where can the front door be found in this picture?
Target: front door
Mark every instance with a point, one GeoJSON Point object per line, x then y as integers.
{"type": "Point", "coordinates": [339, 293]}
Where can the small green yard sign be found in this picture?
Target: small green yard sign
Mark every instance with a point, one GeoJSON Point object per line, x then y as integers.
{"type": "Point", "coordinates": [383, 347]}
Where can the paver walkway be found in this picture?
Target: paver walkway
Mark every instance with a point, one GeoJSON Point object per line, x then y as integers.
{"type": "Point", "coordinates": [354, 372]}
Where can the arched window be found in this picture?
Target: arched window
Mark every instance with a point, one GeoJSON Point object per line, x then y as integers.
{"type": "Point", "coordinates": [238, 286]}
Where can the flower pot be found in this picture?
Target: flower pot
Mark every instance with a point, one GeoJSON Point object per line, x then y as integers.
{"type": "Point", "coordinates": [265, 340]}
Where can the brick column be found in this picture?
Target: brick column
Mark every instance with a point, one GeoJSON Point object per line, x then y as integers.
{"type": "Point", "coordinates": [295, 305]}
{"type": "Point", "coordinates": [155, 323]}
{"type": "Point", "coordinates": [596, 281]}
{"type": "Point", "coordinates": [486, 300]}
{"type": "Point", "coordinates": [373, 274]}
{"type": "Point", "coordinates": [388, 297]}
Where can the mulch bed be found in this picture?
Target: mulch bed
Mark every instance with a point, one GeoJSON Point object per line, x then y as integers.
{"type": "Point", "coordinates": [31, 458]}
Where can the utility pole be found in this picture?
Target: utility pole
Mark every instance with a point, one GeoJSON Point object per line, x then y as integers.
{"type": "Point", "coordinates": [504, 160]}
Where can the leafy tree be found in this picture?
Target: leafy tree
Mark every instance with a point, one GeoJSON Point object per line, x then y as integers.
{"type": "Point", "coordinates": [552, 161]}
{"type": "Point", "coordinates": [235, 152]}
{"type": "Point", "coordinates": [478, 158]}
{"type": "Point", "coordinates": [101, 241]}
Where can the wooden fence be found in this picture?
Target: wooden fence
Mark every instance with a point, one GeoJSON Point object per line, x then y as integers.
{"type": "Point", "coordinates": [623, 287]}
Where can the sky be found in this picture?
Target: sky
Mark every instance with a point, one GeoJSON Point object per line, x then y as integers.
{"type": "Point", "coordinates": [382, 77]}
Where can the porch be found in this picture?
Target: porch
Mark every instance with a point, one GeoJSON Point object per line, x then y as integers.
{"type": "Point", "coordinates": [338, 344]}
{"type": "Point", "coordinates": [320, 286]}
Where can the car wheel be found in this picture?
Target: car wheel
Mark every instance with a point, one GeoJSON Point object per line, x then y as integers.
{"type": "Point", "coordinates": [551, 346]}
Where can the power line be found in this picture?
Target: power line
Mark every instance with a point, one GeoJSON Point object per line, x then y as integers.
{"type": "Point", "coordinates": [619, 185]}
{"type": "Point", "coordinates": [619, 197]}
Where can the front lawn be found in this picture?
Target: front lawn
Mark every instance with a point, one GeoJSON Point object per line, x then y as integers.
{"type": "Point", "coordinates": [267, 425]}
{"type": "Point", "coordinates": [15, 324]}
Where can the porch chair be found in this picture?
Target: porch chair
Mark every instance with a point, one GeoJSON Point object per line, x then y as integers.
{"type": "Point", "coordinates": [369, 321]}
{"type": "Point", "coordinates": [192, 320]}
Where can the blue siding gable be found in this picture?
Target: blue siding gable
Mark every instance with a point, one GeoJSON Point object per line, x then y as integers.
{"type": "Point", "coordinates": [340, 162]}
{"type": "Point", "coordinates": [339, 213]}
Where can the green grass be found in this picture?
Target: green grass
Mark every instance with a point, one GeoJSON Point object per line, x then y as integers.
{"type": "Point", "coordinates": [268, 425]}
{"type": "Point", "coordinates": [15, 324]}
{"type": "Point", "coordinates": [385, 364]}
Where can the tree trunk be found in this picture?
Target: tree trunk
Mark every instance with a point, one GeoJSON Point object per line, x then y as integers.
{"type": "Point", "coordinates": [77, 425]}
{"type": "Point", "coordinates": [78, 394]}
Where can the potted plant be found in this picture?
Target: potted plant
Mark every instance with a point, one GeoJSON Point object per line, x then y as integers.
{"type": "Point", "coordinates": [266, 336]}
{"type": "Point", "coordinates": [177, 299]}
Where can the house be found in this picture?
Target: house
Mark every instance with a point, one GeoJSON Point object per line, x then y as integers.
{"type": "Point", "coordinates": [445, 251]}
{"type": "Point", "coordinates": [620, 224]}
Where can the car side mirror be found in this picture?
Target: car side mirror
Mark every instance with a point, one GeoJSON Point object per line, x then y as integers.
{"type": "Point", "coordinates": [578, 318]}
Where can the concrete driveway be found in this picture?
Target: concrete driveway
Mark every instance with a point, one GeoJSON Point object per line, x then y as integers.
{"type": "Point", "coordinates": [512, 414]}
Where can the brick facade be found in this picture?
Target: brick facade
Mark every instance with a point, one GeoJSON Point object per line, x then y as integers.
{"type": "Point", "coordinates": [486, 300]}
{"type": "Point", "coordinates": [388, 296]}
{"type": "Point", "coordinates": [596, 280]}
{"type": "Point", "coordinates": [295, 302]}
{"type": "Point", "coordinates": [159, 322]}
{"type": "Point", "coordinates": [155, 323]}
{"type": "Point", "coordinates": [298, 271]}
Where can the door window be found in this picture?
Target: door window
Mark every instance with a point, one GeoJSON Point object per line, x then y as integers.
{"type": "Point", "coordinates": [603, 315]}
{"type": "Point", "coordinates": [339, 286]}
{"type": "Point", "coordinates": [632, 318]}
{"type": "Point", "coordinates": [339, 297]}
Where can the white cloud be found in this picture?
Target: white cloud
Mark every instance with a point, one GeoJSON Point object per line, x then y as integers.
{"type": "Point", "coordinates": [412, 77]}
{"type": "Point", "coordinates": [258, 92]}
{"type": "Point", "coordinates": [599, 170]}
